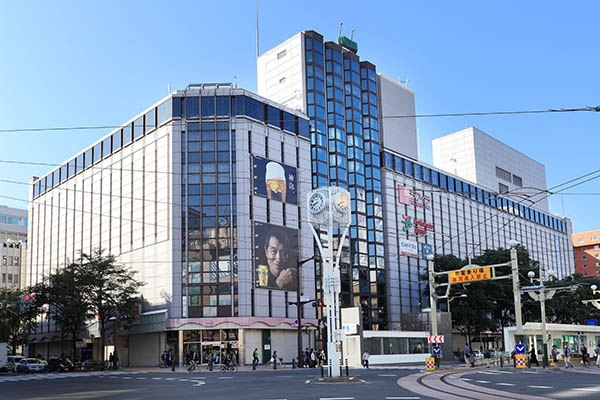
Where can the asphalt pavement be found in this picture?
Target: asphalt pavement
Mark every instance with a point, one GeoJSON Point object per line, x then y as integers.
{"type": "Point", "coordinates": [263, 384]}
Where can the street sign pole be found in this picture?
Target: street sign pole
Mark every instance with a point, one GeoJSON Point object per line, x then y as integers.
{"type": "Point", "coordinates": [432, 300]}
{"type": "Point", "coordinates": [516, 288]}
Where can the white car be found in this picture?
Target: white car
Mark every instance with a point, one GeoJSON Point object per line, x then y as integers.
{"type": "Point", "coordinates": [11, 363]}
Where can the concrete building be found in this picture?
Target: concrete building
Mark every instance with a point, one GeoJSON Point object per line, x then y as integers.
{"type": "Point", "coordinates": [13, 242]}
{"type": "Point", "coordinates": [586, 251]}
{"type": "Point", "coordinates": [476, 156]}
{"type": "Point", "coordinates": [194, 194]}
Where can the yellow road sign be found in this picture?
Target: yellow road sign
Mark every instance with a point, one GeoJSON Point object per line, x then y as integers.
{"type": "Point", "coordinates": [469, 275]}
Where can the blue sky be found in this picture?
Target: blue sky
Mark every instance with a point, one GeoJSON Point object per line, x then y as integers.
{"type": "Point", "coordinates": [99, 63]}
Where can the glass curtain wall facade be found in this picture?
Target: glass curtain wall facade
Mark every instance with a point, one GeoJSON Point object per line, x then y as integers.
{"type": "Point", "coordinates": [345, 153]}
{"type": "Point", "coordinates": [209, 221]}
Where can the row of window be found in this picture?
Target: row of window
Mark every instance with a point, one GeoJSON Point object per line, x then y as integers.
{"type": "Point", "coordinates": [585, 257]}
{"type": "Point", "coordinates": [176, 107]}
{"type": "Point", "coordinates": [597, 265]}
{"type": "Point", "coordinates": [5, 219]}
{"type": "Point", "coordinates": [505, 175]}
{"type": "Point", "coordinates": [11, 278]}
{"type": "Point", "coordinates": [438, 179]}
{"type": "Point", "coordinates": [593, 238]}
{"type": "Point", "coordinates": [10, 261]}
{"type": "Point", "coordinates": [596, 246]}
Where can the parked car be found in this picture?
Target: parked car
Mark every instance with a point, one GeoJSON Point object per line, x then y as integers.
{"type": "Point", "coordinates": [56, 364]}
{"type": "Point", "coordinates": [30, 365]}
{"type": "Point", "coordinates": [11, 363]}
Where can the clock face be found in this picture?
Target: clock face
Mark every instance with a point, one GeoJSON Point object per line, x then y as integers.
{"type": "Point", "coordinates": [316, 204]}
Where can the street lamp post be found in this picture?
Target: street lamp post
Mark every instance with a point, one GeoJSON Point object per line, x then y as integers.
{"type": "Point", "coordinates": [300, 306]}
{"type": "Point", "coordinates": [516, 287]}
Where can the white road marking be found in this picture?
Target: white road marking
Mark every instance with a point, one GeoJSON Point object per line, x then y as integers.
{"type": "Point", "coordinates": [169, 379]}
{"type": "Point", "coordinates": [503, 372]}
{"type": "Point", "coordinates": [225, 377]}
{"type": "Point", "coordinates": [126, 377]}
{"type": "Point", "coordinates": [336, 398]}
{"type": "Point", "coordinates": [157, 379]}
{"type": "Point", "coordinates": [184, 380]}
{"type": "Point", "coordinates": [199, 383]}
{"type": "Point", "coordinates": [387, 375]}
{"type": "Point", "coordinates": [587, 389]}
{"type": "Point", "coordinates": [402, 398]}
{"type": "Point", "coordinates": [487, 373]}
{"type": "Point", "coordinates": [141, 377]}
{"type": "Point", "coordinates": [466, 379]}
{"type": "Point", "coordinates": [505, 384]}
{"type": "Point", "coordinates": [482, 381]}
{"type": "Point", "coordinates": [540, 387]}
{"type": "Point", "coordinates": [529, 372]}
{"type": "Point", "coordinates": [307, 381]}
{"type": "Point", "coordinates": [286, 376]}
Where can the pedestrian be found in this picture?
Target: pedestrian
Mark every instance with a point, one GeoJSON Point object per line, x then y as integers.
{"type": "Point", "coordinates": [513, 355]}
{"type": "Point", "coordinates": [365, 359]}
{"type": "Point", "coordinates": [210, 361]}
{"type": "Point", "coordinates": [111, 361]}
{"type": "Point", "coordinates": [322, 357]}
{"type": "Point", "coordinates": [472, 359]}
{"type": "Point", "coordinates": [533, 358]}
{"type": "Point", "coordinates": [116, 361]}
{"type": "Point", "coordinates": [306, 358]}
{"type": "Point", "coordinates": [466, 353]}
{"type": "Point", "coordinates": [555, 353]}
{"type": "Point", "coordinates": [567, 352]}
{"type": "Point", "coordinates": [584, 356]}
{"type": "Point", "coordinates": [313, 358]}
{"type": "Point", "coordinates": [275, 359]}
{"type": "Point", "coordinates": [254, 359]}
{"type": "Point", "coordinates": [597, 352]}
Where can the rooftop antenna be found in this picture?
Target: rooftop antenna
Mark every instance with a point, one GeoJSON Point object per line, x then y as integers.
{"type": "Point", "coordinates": [235, 80]}
{"type": "Point", "coordinates": [169, 88]}
{"type": "Point", "coordinates": [340, 30]}
{"type": "Point", "coordinates": [352, 34]}
{"type": "Point", "coordinates": [257, 48]}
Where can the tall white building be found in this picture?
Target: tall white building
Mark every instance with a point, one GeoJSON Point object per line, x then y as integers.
{"type": "Point", "coordinates": [476, 156]}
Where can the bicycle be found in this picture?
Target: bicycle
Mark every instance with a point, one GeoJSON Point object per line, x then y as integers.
{"type": "Point", "coordinates": [192, 366]}
{"type": "Point", "coordinates": [228, 367]}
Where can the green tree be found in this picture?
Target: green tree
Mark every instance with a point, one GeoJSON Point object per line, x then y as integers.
{"type": "Point", "coordinates": [63, 294]}
{"type": "Point", "coordinates": [15, 322]}
{"type": "Point", "coordinates": [111, 290]}
{"type": "Point", "coordinates": [566, 307]}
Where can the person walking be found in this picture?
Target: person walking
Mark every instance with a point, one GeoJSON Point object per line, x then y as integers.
{"type": "Point", "coordinates": [365, 359]}
{"type": "Point", "coordinates": [597, 352]}
{"type": "Point", "coordinates": [555, 356]}
{"type": "Point", "coordinates": [313, 358]}
{"type": "Point", "coordinates": [254, 359]}
{"type": "Point", "coordinates": [533, 358]}
{"type": "Point", "coordinates": [322, 358]}
{"type": "Point", "coordinates": [275, 359]}
{"type": "Point", "coordinates": [466, 353]}
{"type": "Point", "coordinates": [584, 356]}
{"type": "Point", "coordinates": [568, 352]}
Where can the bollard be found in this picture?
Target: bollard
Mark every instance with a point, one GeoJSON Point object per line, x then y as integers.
{"type": "Point", "coordinates": [501, 361]}
{"type": "Point", "coordinates": [293, 363]}
{"type": "Point", "coordinates": [322, 371]}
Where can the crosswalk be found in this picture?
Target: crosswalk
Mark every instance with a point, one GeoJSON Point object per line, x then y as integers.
{"type": "Point", "coordinates": [62, 375]}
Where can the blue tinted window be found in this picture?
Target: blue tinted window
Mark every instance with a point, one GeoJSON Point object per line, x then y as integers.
{"type": "Point", "coordinates": [63, 173]}
{"type": "Point", "coordinates": [398, 164]}
{"type": "Point", "coordinates": [36, 189]}
{"type": "Point", "coordinates": [97, 152]}
{"type": "Point", "coordinates": [408, 168]}
{"type": "Point", "coordinates": [426, 175]}
{"type": "Point", "coordinates": [138, 128]}
{"type": "Point", "coordinates": [388, 160]}
{"type": "Point", "coordinates": [253, 108]}
{"type": "Point", "coordinates": [71, 168]}
{"type": "Point", "coordinates": [165, 111]}
{"type": "Point", "coordinates": [451, 183]}
{"type": "Point", "coordinates": [435, 181]}
{"type": "Point", "coordinates": [127, 137]}
{"type": "Point", "coordinates": [106, 147]}
{"type": "Point", "coordinates": [150, 120]}
{"type": "Point", "coordinates": [192, 107]}
{"type": "Point", "coordinates": [80, 163]}
{"type": "Point", "coordinates": [443, 181]}
{"type": "Point", "coordinates": [289, 122]}
{"type": "Point", "coordinates": [208, 106]}
{"type": "Point", "coordinates": [223, 106]}
{"type": "Point", "coordinates": [417, 169]}
{"type": "Point", "coordinates": [177, 107]}
{"type": "Point", "coordinates": [273, 117]}
{"type": "Point", "coordinates": [116, 140]}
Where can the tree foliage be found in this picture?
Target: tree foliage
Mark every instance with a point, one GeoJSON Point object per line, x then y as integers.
{"type": "Point", "coordinates": [489, 305]}
{"type": "Point", "coordinates": [15, 323]}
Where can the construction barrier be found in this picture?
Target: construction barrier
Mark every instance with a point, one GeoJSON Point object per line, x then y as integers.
{"type": "Point", "coordinates": [521, 360]}
{"type": "Point", "coordinates": [430, 364]}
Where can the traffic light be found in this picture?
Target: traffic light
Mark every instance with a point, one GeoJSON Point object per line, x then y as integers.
{"type": "Point", "coordinates": [28, 301]}
{"type": "Point", "coordinates": [32, 301]}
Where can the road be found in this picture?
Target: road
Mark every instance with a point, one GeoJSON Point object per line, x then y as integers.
{"type": "Point", "coordinates": [265, 384]}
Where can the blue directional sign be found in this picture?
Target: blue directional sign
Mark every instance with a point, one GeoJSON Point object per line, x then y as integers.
{"type": "Point", "coordinates": [520, 349]}
{"type": "Point", "coordinates": [426, 249]}
{"type": "Point", "coordinates": [592, 322]}
{"type": "Point", "coordinates": [436, 350]}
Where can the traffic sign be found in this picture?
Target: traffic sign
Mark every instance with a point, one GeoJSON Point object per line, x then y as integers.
{"type": "Point", "coordinates": [470, 274]}
{"type": "Point", "coordinates": [520, 349]}
{"type": "Point", "coordinates": [592, 322]}
{"type": "Point", "coordinates": [436, 351]}
{"type": "Point", "coordinates": [436, 339]}
{"type": "Point", "coordinates": [521, 360]}
{"type": "Point", "coordinates": [535, 287]}
{"type": "Point", "coordinates": [426, 249]}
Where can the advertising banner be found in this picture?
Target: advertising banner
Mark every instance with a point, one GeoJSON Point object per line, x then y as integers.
{"type": "Point", "coordinates": [470, 275]}
{"type": "Point", "coordinates": [274, 180]}
{"type": "Point", "coordinates": [409, 248]}
{"type": "Point", "coordinates": [275, 257]}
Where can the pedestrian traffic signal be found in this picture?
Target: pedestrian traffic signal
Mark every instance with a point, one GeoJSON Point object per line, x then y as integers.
{"type": "Point", "coordinates": [28, 301]}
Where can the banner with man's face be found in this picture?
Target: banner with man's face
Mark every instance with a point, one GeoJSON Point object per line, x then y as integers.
{"type": "Point", "coordinates": [274, 180]}
{"type": "Point", "coordinates": [275, 257]}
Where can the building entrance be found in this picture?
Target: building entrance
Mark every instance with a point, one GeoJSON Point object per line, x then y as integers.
{"type": "Point", "coordinates": [218, 343]}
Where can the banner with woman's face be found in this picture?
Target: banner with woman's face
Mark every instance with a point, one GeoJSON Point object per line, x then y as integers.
{"type": "Point", "coordinates": [274, 180]}
{"type": "Point", "coordinates": [275, 256]}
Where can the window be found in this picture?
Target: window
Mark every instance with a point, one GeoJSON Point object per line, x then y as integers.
{"type": "Point", "coordinates": [584, 265]}
{"type": "Point", "coordinates": [596, 246]}
{"type": "Point", "coordinates": [502, 188]}
{"type": "Point", "coordinates": [584, 257]}
{"type": "Point", "coordinates": [517, 180]}
{"type": "Point", "coordinates": [282, 80]}
{"type": "Point", "coordinates": [580, 240]}
{"type": "Point", "coordinates": [594, 237]}
{"type": "Point", "coordinates": [503, 174]}
{"type": "Point", "coordinates": [281, 54]}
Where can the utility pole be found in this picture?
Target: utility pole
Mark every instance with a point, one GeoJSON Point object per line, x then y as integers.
{"type": "Point", "coordinates": [516, 287]}
{"type": "Point", "coordinates": [432, 298]}
{"type": "Point", "coordinates": [300, 306]}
